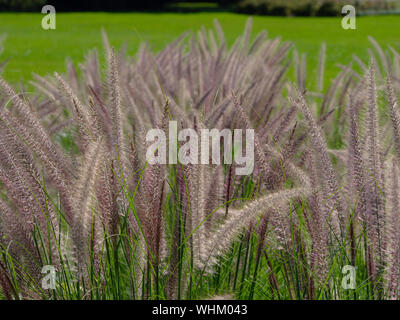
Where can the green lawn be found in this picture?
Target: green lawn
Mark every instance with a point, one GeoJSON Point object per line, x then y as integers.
{"type": "Point", "coordinates": [31, 49]}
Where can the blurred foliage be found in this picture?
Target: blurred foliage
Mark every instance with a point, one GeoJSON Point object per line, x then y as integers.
{"type": "Point", "coordinates": [21, 5]}
{"type": "Point", "coordinates": [263, 7]}
{"type": "Point", "coordinates": [309, 7]}
{"type": "Point", "coordinates": [78, 5]}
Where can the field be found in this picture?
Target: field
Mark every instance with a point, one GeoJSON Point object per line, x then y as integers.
{"type": "Point", "coordinates": [31, 49]}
